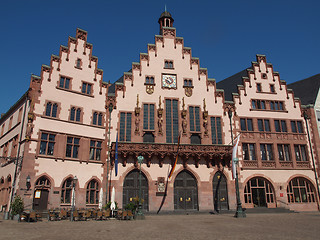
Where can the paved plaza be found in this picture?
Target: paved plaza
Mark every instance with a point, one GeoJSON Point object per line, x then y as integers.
{"type": "Point", "coordinates": [195, 226]}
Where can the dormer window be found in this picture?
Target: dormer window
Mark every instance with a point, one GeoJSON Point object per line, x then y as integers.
{"type": "Point", "coordinates": [149, 80]}
{"type": "Point", "coordinates": [168, 64]}
{"type": "Point", "coordinates": [78, 63]}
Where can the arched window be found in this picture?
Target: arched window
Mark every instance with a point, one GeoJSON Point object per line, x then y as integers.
{"type": "Point", "coordinates": [300, 190]}
{"type": "Point", "coordinates": [72, 113]}
{"type": "Point", "coordinates": [48, 109]}
{"type": "Point", "coordinates": [92, 196]}
{"type": "Point", "coordinates": [54, 110]}
{"type": "Point", "coordinates": [66, 191]}
{"type": "Point", "coordinates": [78, 115]}
{"type": "Point", "coordinates": [100, 119]}
{"type": "Point", "coordinates": [94, 120]}
{"type": "Point", "coordinates": [259, 192]}
{"type": "Point", "coordinates": [43, 182]}
{"type": "Point", "coordinates": [2, 180]}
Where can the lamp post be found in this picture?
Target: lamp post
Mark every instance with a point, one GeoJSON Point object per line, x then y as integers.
{"type": "Point", "coordinates": [108, 159]}
{"type": "Point", "coordinates": [140, 214]}
{"type": "Point", "coordinates": [306, 117]}
{"type": "Point", "coordinates": [28, 182]}
{"type": "Point", "coordinates": [74, 182]}
{"type": "Point", "coordinates": [239, 213]}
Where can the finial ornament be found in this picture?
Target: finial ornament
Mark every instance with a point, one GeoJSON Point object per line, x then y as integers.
{"type": "Point", "coordinates": [137, 100]}
{"type": "Point", "coordinates": [159, 101]}
{"type": "Point", "coordinates": [165, 7]}
{"type": "Point", "coordinates": [183, 105]}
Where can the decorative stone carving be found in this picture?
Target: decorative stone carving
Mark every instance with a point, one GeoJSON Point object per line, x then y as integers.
{"type": "Point", "coordinates": [205, 118]}
{"type": "Point", "coordinates": [137, 117]}
{"type": "Point", "coordinates": [161, 185]}
{"type": "Point", "coordinates": [188, 91]}
{"type": "Point", "coordinates": [149, 89]}
{"type": "Point", "coordinates": [184, 118]}
{"type": "Point", "coordinates": [160, 118]}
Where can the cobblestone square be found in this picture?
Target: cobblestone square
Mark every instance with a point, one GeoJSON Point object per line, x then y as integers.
{"type": "Point", "coordinates": [194, 226]}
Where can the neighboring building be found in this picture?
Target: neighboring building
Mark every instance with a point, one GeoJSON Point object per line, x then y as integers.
{"type": "Point", "coordinates": [307, 90]}
{"type": "Point", "coordinates": [165, 95]}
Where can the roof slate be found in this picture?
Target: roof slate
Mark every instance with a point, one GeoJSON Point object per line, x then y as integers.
{"type": "Point", "coordinates": [306, 89]}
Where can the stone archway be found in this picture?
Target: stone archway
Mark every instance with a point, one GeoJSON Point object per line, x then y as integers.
{"type": "Point", "coordinates": [220, 192]}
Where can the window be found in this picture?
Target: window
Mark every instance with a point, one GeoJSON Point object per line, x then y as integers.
{"type": "Point", "coordinates": [300, 152]}
{"type": "Point", "coordinates": [168, 64]}
{"type": "Point", "coordinates": [72, 147]}
{"type": "Point", "coordinates": [97, 119]}
{"type": "Point", "coordinates": [266, 152]}
{"type": "Point", "coordinates": [75, 114]}
{"type": "Point", "coordinates": [172, 121]}
{"type": "Point", "coordinates": [284, 152]}
{"type": "Point", "coordinates": [66, 191]}
{"type": "Point", "coordinates": [264, 125]}
{"type": "Point", "coordinates": [280, 126]}
{"type": "Point", "coordinates": [259, 87]}
{"type": "Point", "coordinates": [246, 124]}
{"type": "Point", "coordinates": [258, 104]}
{"type": "Point", "coordinates": [300, 190]}
{"type": "Point", "coordinates": [47, 143]}
{"type": "Point", "coordinates": [296, 127]}
{"type": "Point", "coordinates": [253, 188]}
{"type": "Point", "coordinates": [216, 134]}
{"type": "Point", "coordinates": [148, 137]}
{"type": "Point", "coordinates": [195, 138]}
{"type": "Point", "coordinates": [125, 126]}
{"type": "Point", "coordinates": [78, 63]}
{"type": "Point", "coordinates": [276, 105]}
{"type": "Point", "coordinates": [95, 150]}
{"type": "Point", "coordinates": [249, 152]}
{"type": "Point", "coordinates": [51, 109]}
{"type": "Point", "coordinates": [148, 117]}
{"type": "Point", "coordinates": [194, 116]}
{"type": "Point", "coordinates": [187, 83]}
{"type": "Point", "coordinates": [92, 196]}
{"type": "Point", "coordinates": [149, 80]}
{"type": "Point", "coordinates": [272, 88]}
{"type": "Point", "coordinates": [86, 88]}
{"type": "Point", "coordinates": [64, 82]}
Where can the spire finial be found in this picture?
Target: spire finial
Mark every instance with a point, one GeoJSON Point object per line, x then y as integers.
{"type": "Point", "coordinates": [165, 7]}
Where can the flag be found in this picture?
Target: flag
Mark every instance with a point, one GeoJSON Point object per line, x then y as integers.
{"type": "Point", "coordinates": [234, 156]}
{"type": "Point", "coordinates": [116, 158]}
{"type": "Point", "coordinates": [175, 162]}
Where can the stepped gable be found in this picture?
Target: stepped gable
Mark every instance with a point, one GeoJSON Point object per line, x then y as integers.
{"type": "Point", "coordinates": [306, 89]}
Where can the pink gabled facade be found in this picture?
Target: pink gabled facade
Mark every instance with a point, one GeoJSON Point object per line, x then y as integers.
{"type": "Point", "coordinates": [70, 114]}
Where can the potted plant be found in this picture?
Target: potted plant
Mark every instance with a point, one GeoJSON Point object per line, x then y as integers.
{"type": "Point", "coordinates": [17, 207]}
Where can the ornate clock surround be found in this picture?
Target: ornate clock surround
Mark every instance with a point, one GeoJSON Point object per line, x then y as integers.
{"type": "Point", "coordinates": [169, 81]}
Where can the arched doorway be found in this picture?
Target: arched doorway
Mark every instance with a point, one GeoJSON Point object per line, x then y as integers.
{"type": "Point", "coordinates": [220, 192]}
{"type": "Point", "coordinates": [41, 193]}
{"type": "Point", "coordinates": [131, 189]}
{"type": "Point", "coordinates": [185, 192]}
{"type": "Point", "coordinates": [259, 192]}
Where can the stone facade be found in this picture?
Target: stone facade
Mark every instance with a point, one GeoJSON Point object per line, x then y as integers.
{"type": "Point", "coordinates": [73, 119]}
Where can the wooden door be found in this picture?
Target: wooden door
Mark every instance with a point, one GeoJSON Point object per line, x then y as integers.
{"type": "Point", "coordinates": [185, 192]}
{"type": "Point", "coordinates": [40, 199]}
{"type": "Point", "coordinates": [131, 189]}
{"type": "Point", "coordinates": [220, 192]}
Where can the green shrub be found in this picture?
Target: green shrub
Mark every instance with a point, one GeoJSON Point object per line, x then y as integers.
{"type": "Point", "coordinates": [17, 206]}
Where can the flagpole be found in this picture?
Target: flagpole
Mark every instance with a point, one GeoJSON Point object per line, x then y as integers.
{"type": "Point", "coordinates": [239, 213]}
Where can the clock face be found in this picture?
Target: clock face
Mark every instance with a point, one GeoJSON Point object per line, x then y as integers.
{"type": "Point", "coordinates": [169, 81]}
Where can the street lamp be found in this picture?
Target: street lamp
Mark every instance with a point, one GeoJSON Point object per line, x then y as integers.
{"type": "Point", "coordinates": [28, 182]}
{"type": "Point", "coordinates": [239, 213]}
{"type": "Point", "coordinates": [140, 215]}
{"type": "Point", "coordinates": [74, 183]}
{"type": "Point", "coordinates": [109, 150]}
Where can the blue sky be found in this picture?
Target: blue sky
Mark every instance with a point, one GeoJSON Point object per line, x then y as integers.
{"type": "Point", "coordinates": [224, 35]}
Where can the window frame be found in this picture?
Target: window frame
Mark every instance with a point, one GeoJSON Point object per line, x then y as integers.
{"type": "Point", "coordinates": [194, 117]}
{"type": "Point", "coordinates": [87, 88]}
{"type": "Point", "coordinates": [245, 127]}
{"type": "Point", "coordinates": [95, 149]}
{"type": "Point", "coordinates": [75, 147]}
{"type": "Point", "coordinates": [216, 130]}
{"type": "Point", "coordinates": [295, 192]}
{"type": "Point", "coordinates": [301, 153]}
{"type": "Point", "coordinates": [65, 82]}
{"type": "Point", "coordinates": [46, 143]}
{"type": "Point", "coordinates": [297, 125]}
{"type": "Point", "coordinates": [149, 80]}
{"type": "Point", "coordinates": [92, 192]}
{"type": "Point", "coordinates": [125, 127]}
{"type": "Point", "coordinates": [149, 117]}
{"type": "Point", "coordinates": [168, 64]}
{"type": "Point", "coordinates": [51, 109]}
{"type": "Point", "coordinates": [247, 150]}
{"type": "Point", "coordinates": [266, 152]}
{"type": "Point", "coordinates": [76, 114]}
{"type": "Point", "coordinates": [66, 191]}
{"type": "Point", "coordinates": [283, 155]}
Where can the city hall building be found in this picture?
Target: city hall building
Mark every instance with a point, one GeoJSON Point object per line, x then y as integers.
{"type": "Point", "coordinates": [67, 123]}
